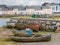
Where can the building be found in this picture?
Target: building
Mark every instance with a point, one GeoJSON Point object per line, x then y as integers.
{"type": "Point", "coordinates": [3, 8]}
{"type": "Point", "coordinates": [33, 9]}
{"type": "Point", "coordinates": [9, 12]}
{"type": "Point", "coordinates": [2, 12]}
{"type": "Point", "coordinates": [46, 10]}
{"type": "Point", "coordinates": [55, 7]}
{"type": "Point", "coordinates": [19, 10]}
{"type": "Point", "coordinates": [22, 12]}
{"type": "Point", "coordinates": [15, 10]}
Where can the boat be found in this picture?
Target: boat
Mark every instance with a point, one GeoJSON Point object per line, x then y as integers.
{"type": "Point", "coordinates": [31, 38]}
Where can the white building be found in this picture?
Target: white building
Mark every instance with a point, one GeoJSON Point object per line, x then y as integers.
{"type": "Point", "coordinates": [55, 7]}
{"type": "Point", "coordinates": [46, 10]}
{"type": "Point", "coordinates": [3, 8]}
{"type": "Point", "coordinates": [21, 12]}
{"type": "Point", "coordinates": [2, 12]}
{"type": "Point", "coordinates": [33, 9]}
{"type": "Point", "coordinates": [38, 10]}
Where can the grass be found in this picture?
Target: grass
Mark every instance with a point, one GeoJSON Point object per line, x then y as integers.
{"type": "Point", "coordinates": [3, 41]}
{"type": "Point", "coordinates": [7, 43]}
{"type": "Point", "coordinates": [42, 32]}
{"type": "Point", "coordinates": [21, 17]}
{"type": "Point", "coordinates": [57, 17]}
{"type": "Point", "coordinates": [9, 16]}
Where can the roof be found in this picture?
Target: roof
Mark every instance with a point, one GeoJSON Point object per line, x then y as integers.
{"type": "Point", "coordinates": [46, 7]}
{"type": "Point", "coordinates": [45, 4]}
{"type": "Point", "coordinates": [55, 4]}
{"type": "Point", "coordinates": [16, 7]}
{"type": "Point", "coordinates": [34, 7]}
{"type": "Point", "coordinates": [4, 7]}
{"type": "Point", "coordinates": [49, 4]}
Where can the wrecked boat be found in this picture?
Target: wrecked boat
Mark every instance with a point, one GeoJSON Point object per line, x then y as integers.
{"type": "Point", "coordinates": [30, 38]}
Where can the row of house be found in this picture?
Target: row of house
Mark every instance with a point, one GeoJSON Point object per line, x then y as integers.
{"type": "Point", "coordinates": [46, 8]}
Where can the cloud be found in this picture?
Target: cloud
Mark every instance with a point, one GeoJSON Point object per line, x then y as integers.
{"type": "Point", "coordinates": [26, 2]}
{"type": "Point", "coordinates": [34, 2]}
{"type": "Point", "coordinates": [7, 2]}
{"type": "Point", "coordinates": [21, 2]}
{"type": "Point", "coordinates": [39, 2]}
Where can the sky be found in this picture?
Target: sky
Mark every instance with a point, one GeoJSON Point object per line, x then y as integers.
{"type": "Point", "coordinates": [26, 2]}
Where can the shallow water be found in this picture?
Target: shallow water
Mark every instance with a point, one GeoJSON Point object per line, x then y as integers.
{"type": "Point", "coordinates": [3, 21]}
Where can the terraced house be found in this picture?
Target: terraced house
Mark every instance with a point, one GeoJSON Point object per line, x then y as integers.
{"type": "Point", "coordinates": [46, 8]}
{"type": "Point", "coordinates": [38, 9]}
{"type": "Point", "coordinates": [15, 10]}
{"type": "Point", "coordinates": [33, 9]}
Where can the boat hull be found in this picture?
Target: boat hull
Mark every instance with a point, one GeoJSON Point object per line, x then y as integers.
{"type": "Point", "coordinates": [32, 39]}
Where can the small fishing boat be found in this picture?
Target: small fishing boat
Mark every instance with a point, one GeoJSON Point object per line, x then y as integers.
{"type": "Point", "coordinates": [31, 38]}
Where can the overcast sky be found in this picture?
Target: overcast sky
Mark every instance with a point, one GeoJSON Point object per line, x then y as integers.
{"type": "Point", "coordinates": [26, 2]}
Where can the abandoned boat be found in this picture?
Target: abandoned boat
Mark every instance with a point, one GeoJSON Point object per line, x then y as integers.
{"type": "Point", "coordinates": [21, 37]}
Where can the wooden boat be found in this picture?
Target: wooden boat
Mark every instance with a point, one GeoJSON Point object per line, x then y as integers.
{"type": "Point", "coordinates": [31, 38]}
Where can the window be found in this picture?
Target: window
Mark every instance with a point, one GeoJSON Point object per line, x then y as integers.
{"type": "Point", "coordinates": [21, 12]}
{"type": "Point", "coordinates": [53, 8]}
{"type": "Point", "coordinates": [56, 8]}
{"type": "Point", "coordinates": [38, 12]}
